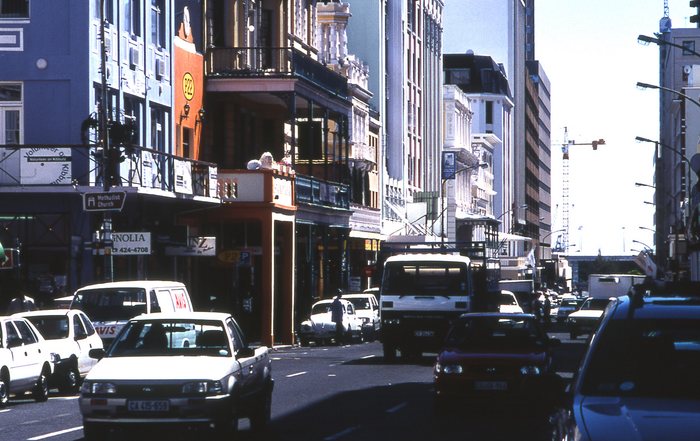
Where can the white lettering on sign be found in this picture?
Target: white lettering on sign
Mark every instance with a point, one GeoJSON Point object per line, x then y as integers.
{"type": "Point", "coordinates": [135, 243]}
{"type": "Point", "coordinates": [282, 191]}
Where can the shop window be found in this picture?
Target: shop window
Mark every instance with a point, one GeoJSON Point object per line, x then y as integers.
{"type": "Point", "coordinates": [11, 113]}
{"type": "Point", "coordinates": [14, 8]}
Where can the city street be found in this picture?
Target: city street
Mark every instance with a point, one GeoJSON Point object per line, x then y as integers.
{"type": "Point", "coordinates": [329, 393]}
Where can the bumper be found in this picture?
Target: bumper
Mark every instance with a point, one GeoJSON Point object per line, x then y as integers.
{"type": "Point", "coordinates": [193, 411]}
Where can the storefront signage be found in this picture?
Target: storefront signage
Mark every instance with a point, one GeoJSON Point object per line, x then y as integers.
{"type": "Point", "coordinates": [188, 86]}
{"type": "Point", "coordinates": [197, 246]}
{"type": "Point", "coordinates": [282, 191]}
{"type": "Point", "coordinates": [131, 244]}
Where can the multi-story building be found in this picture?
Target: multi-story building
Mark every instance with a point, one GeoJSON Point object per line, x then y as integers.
{"type": "Point", "coordinates": [679, 71]}
{"type": "Point", "coordinates": [401, 43]}
{"type": "Point", "coordinates": [90, 103]}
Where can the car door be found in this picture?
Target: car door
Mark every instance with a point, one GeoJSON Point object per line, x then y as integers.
{"type": "Point", "coordinates": [82, 342]}
{"type": "Point", "coordinates": [26, 352]}
{"type": "Point", "coordinates": [247, 364]}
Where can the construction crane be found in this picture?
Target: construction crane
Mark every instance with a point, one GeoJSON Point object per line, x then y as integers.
{"type": "Point", "coordinates": [563, 240]}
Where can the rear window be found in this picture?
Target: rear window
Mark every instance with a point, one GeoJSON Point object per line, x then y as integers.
{"type": "Point", "coordinates": [111, 303]}
{"type": "Point", "coordinates": [51, 327]}
{"type": "Point", "coordinates": [430, 278]}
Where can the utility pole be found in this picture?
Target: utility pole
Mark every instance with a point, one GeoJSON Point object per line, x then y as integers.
{"type": "Point", "coordinates": [107, 177]}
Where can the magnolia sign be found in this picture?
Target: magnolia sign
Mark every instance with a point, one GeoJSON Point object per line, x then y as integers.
{"type": "Point", "coordinates": [130, 244]}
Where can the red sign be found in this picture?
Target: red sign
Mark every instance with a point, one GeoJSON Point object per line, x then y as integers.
{"type": "Point", "coordinates": [368, 271]}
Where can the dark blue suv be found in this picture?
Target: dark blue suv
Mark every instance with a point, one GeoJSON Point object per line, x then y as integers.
{"type": "Point", "coordinates": [640, 376]}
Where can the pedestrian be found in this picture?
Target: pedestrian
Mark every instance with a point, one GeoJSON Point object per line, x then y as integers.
{"type": "Point", "coordinates": [337, 317]}
{"type": "Point", "coordinates": [547, 308]}
{"type": "Point", "coordinates": [536, 305]}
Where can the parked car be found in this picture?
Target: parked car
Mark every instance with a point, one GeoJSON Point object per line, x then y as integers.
{"type": "Point", "coordinates": [110, 305]}
{"type": "Point", "coordinates": [638, 379]}
{"type": "Point", "coordinates": [319, 328]}
{"type": "Point", "coordinates": [70, 334]}
{"type": "Point", "coordinates": [493, 357]}
{"type": "Point", "coordinates": [367, 308]}
{"type": "Point", "coordinates": [189, 368]}
{"type": "Point", "coordinates": [585, 319]}
{"type": "Point", "coordinates": [25, 362]}
{"type": "Point", "coordinates": [507, 302]}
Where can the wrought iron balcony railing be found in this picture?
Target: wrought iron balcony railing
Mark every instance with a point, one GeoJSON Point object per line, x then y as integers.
{"type": "Point", "coordinates": [273, 62]}
{"type": "Point", "coordinates": [63, 166]}
{"type": "Point", "coordinates": [314, 191]}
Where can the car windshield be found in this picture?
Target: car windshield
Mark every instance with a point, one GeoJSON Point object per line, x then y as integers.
{"type": "Point", "coordinates": [595, 304]}
{"type": "Point", "coordinates": [111, 303]}
{"type": "Point", "coordinates": [360, 303]}
{"type": "Point", "coordinates": [507, 299]}
{"type": "Point", "coordinates": [646, 358]}
{"type": "Point", "coordinates": [320, 308]}
{"type": "Point", "coordinates": [171, 338]}
{"type": "Point", "coordinates": [51, 327]}
{"type": "Point", "coordinates": [494, 333]}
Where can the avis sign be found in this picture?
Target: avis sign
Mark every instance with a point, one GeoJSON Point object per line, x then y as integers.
{"type": "Point", "coordinates": [108, 201]}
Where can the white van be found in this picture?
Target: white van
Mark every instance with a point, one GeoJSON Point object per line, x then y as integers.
{"type": "Point", "coordinates": [110, 305]}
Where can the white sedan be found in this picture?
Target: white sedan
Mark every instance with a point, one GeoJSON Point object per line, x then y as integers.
{"type": "Point", "coordinates": [183, 369]}
{"type": "Point", "coordinates": [320, 328]}
{"type": "Point", "coordinates": [25, 362]}
{"type": "Point", "coordinates": [70, 334]}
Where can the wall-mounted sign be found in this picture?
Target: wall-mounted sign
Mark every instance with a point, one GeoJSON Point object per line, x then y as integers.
{"type": "Point", "coordinates": [130, 244]}
{"type": "Point", "coordinates": [197, 246]}
{"type": "Point", "coordinates": [46, 165]}
{"type": "Point", "coordinates": [188, 86]}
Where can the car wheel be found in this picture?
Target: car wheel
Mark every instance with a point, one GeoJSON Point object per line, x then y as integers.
{"type": "Point", "coordinates": [41, 388]}
{"type": "Point", "coordinates": [389, 352]}
{"type": "Point", "coordinates": [260, 417]}
{"type": "Point", "coordinates": [92, 431]}
{"type": "Point", "coordinates": [71, 381]}
{"type": "Point", "coordinates": [4, 391]}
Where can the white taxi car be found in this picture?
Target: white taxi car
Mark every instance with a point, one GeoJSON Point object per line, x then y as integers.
{"type": "Point", "coordinates": [70, 334]}
{"type": "Point", "coordinates": [367, 308]}
{"type": "Point", "coordinates": [25, 363]}
{"type": "Point", "coordinates": [320, 328]}
{"type": "Point", "coordinates": [189, 369]}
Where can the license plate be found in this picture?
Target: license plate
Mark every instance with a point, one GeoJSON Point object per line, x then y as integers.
{"type": "Point", "coordinates": [424, 333]}
{"type": "Point", "coordinates": [148, 405]}
{"type": "Point", "coordinates": [490, 385]}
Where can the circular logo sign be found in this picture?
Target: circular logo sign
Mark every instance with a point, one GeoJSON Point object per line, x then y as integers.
{"type": "Point", "coordinates": [188, 86]}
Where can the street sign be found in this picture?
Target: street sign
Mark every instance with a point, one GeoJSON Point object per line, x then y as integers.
{"type": "Point", "coordinates": [109, 201]}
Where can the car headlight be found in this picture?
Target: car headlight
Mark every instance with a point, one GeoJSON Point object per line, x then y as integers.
{"type": "Point", "coordinates": [392, 321]}
{"type": "Point", "coordinates": [98, 388]}
{"type": "Point", "coordinates": [530, 370]}
{"type": "Point", "coordinates": [203, 388]}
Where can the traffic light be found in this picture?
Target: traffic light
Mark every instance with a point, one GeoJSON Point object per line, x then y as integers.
{"type": "Point", "coordinates": [695, 18]}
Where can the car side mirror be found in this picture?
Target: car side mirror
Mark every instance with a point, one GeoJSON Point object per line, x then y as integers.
{"type": "Point", "coordinates": [97, 353]}
{"type": "Point", "coordinates": [246, 352]}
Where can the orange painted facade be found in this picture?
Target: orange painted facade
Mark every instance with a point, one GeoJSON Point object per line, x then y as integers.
{"type": "Point", "coordinates": [188, 81]}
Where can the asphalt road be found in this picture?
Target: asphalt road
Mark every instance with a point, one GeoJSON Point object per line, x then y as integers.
{"type": "Point", "coordinates": [327, 394]}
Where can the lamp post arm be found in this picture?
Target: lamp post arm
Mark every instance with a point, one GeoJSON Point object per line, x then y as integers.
{"type": "Point", "coordinates": [668, 89]}
{"type": "Point", "coordinates": [647, 39]}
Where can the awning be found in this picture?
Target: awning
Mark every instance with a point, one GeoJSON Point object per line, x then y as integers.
{"type": "Point", "coordinates": [366, 235]}
{"type": "Point", "coordinates": [513, 237]}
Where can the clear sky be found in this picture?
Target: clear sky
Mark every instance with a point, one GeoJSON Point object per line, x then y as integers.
{"type": "Point", "coordinates": [590, 53]}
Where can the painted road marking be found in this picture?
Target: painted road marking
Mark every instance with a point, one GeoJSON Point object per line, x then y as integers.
{"type": "Point", "coordinates": [367, 356]}
{"type": "Point", "coordinates": [52, 434]}
{"type": "Point", "coordinates": [297, 374]}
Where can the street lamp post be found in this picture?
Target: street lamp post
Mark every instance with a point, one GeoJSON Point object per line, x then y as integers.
{"type": "Point", "coordinates": [643, 244]}
{"type": "Point", "coordinates": [447, 175]}
{"type": "Point", "coordinates": [644, 39]}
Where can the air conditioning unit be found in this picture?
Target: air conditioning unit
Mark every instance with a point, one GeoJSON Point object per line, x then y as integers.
{"type": "Point", "coordinates": [160, 68]}
{"type": "Point", "coordinates": [134, 56]}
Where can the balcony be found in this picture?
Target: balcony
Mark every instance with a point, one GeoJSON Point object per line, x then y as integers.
{"type": "Point", "coordinates": [63, 168]}
{"type": "Point", "coordinates": [364, 152]}
{"type": "Point", "coordinates": [272, 62]}
{"type": "Point", "coordinates": [314, 191]}
{"type": "Point", "coordinates": [259, 186]}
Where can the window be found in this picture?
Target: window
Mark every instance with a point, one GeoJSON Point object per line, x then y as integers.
{"type": "Point", "coordinates": [132, 111]}
{"type": "Point", "coordinates": [186, 140]}
{"type": "Point", "coordinates": [10, 113]}
{"type": "Point", "coordinates": [158, 23]}
{"type": "Point", "coordinates": [14, 8]}
{"type": "Point", "coordinates": [28, 336]}
{"type": "Point", "coordinates": [157, 129]}
{"type": "Point", "coordinates": [132, 17]}
{"type": "Point", "coordinates": [108, 11]}
{"type": "Point", "coordinates": [689, 47]}
{"type": "Point", "coordinates": [78, 328]}
{"type": "Point", "coordinates": [489, 112]}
